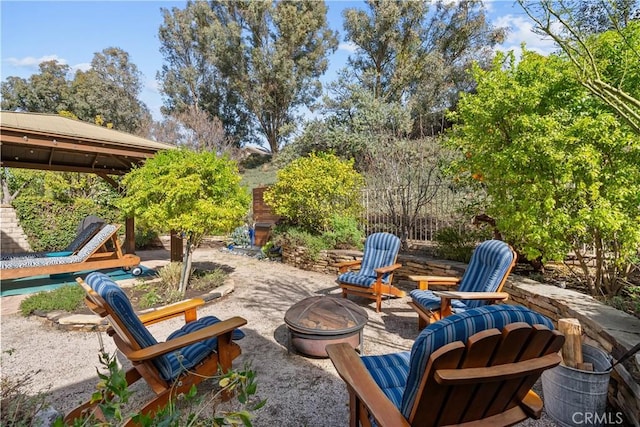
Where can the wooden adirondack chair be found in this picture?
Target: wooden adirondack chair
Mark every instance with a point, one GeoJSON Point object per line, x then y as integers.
{"type": "Point", "coordinates": [481, 284]}
{"type": "Point", "coordinates": [189, 355]}
{"type": "Point", "coordinates": [375, 271]}
{"type": "Point", "coordinates": [473, 368]}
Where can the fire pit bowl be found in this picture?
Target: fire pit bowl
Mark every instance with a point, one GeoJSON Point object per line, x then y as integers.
{"type": "Point", "coordinates": [315, 322]}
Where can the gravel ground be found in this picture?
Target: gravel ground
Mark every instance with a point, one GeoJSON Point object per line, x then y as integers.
{"type": "Point", "coordinates": [300, 391]}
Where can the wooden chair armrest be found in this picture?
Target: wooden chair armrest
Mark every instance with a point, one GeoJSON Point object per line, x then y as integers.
{"type": "Point", "coordinates": [216, 330]}
{"type": "Point", "coordinates": [345, 266]}
{"type": "Point", "coordinates": [425, 281]}
{"type": "Point", "coordinates": [387, 269]}
{"type": "Point", "coordinates": [495, 296]}
{"type": "Point", "coordinates": [188, 308]}
{"type": "Point", "coordinates": [509, 371]}
{"type": "Point", "coordinates": [359, 381]}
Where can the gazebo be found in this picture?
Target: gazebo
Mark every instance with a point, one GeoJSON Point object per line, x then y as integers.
{"type": "Point", "coordinates": [56, 143]}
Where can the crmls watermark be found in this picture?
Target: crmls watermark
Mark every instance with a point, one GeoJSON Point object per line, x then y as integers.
{"type": "Point", "coordinates": [595, 418]}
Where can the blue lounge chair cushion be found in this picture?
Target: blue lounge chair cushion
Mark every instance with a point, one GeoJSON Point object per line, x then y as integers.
{"type": "Point", "coordinates": [380, 250]}
{"type": "Point", "coordinates": [58, 254]}
{"type": "Point", "coordinates": [170, 365]}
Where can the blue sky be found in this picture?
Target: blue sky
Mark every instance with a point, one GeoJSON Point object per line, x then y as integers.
{"type": "Point", "coordinates": [72, 31]}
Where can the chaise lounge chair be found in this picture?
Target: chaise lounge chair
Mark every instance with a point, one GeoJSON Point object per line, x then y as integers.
{"type": "Point", "coordinates": [103, 250]}
{"type": "Point", "coordinates": [190, 355]}
{"type": "Point", "coordinates": [472, 368]}
{"type": "Point", "coordinates": [76, 244]}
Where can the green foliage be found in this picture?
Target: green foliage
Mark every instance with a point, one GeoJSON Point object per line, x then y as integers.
{"type": "Point", "coordinates": [344, 233]}
{"type": "Point", "coordinates": [311, 189]}
{"type": "Point", "coordinates": [458, 243]}
{"type": "Point", "coordinates": [144, 236]}
{"type": "Point", "coordinates": [193, 193]}
{"type": "Point", "coordinates": [19, 406]}
{"type": "Point", "coordinates": [240, 237]}
{"type": "Point", "coordinates": [207, 280]}
{"type": "Point", "coordinates": [52, 204]}
{"type": "Point", "coordinates": [68, 298]}
{"type": "Point", "coordinates": [559, 171]}
{"type": "Point", "coordinates": [112, 396]}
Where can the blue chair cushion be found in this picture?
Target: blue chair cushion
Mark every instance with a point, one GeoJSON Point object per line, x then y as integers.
{"type": "Point", "coordinates": [170, 365]}
{"type": "Point", "coordinates": [380, 250]}
{"type": "Point", "coordinates": [191, 355]}
{"type": "Point", "coordinates": [430, 301]}
{"type": "Point", "coordinates": [489, 263]}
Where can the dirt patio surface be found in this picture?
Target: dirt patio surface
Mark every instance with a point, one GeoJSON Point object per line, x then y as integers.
{"type": "Point", "coordinates": [300, 391]}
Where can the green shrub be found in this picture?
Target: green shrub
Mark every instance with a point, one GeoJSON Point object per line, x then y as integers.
{"type": "Point", "coordinates": [458, 243]}
{"type": "Point", "coordinates": [170, 275]}
{"type": "Point", "coordinates": [144, 236]}
{"type": "Point", "coordinates": [51, 225]}
{"type": "Point", "coordinates": [292, 237]}
{"type": "Point", "coordinates": [345, 233]}
{"type": "Point", "coordinates": [310, 190]}
{"type": "Point", "coordinates": [68, 298]}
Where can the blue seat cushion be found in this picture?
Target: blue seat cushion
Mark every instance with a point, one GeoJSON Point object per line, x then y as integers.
{"type": "Point", "coordinates": [191, 355]}
{"type": "Point", "coordinates": [426, 299]}
{"type": "Point", "coordinates": [355, 278]}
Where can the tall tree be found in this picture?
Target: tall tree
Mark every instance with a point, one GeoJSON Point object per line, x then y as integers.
{"type": "Point", "coordinates": [189, 78]}
{"type": "Point", "coordinates": [110, 89]}
{"type": "Point", "coordinates": [410, 53]}
{"type": "Point", "coordinates": [271, 54]}
{"type": "Point", "coordinates": [45, 92]}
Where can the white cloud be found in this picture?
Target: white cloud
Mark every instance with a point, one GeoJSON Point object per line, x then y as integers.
{"type": "Point", "coordinates": [83, 66]}
{"type": "Point", "coordinates": [521, 31]}
{"type": "Point", "coordinates": [348, 46]}
{"type": "Point", "coordinates": [31, 62]}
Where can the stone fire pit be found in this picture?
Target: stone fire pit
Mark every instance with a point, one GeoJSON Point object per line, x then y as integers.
{"type": "Point", "coordinates": [315, 322]}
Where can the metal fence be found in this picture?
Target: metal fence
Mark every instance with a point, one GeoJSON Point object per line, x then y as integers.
{"type": "Point", "coordinates": [391, 210]}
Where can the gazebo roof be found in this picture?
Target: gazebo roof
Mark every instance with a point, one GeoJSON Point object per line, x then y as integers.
{"type": "Point", "coordinates": [56, 143]}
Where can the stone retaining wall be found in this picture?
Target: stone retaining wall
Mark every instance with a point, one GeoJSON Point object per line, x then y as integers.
{"type": "Point", "coordinates": [13, 238]}
{"type": "Point", "coordinates": [603, 326]}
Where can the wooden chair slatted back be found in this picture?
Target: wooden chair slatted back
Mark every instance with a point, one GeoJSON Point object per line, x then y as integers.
{"type": "Point", "coordinates": [520, 350]}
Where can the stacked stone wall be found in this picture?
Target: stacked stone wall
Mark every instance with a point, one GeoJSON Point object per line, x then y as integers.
{"type": "Point", "coordinates": [13, 238]}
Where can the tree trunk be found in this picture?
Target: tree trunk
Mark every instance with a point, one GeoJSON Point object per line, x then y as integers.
{"type": "Point", "coordinates": [186, 264]}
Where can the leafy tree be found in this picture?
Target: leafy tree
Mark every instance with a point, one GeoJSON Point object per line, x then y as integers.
{"type": "Point", "coordinates": [46, 92]}
{"type": "Point", "coordinates": [189, 78]}
{"type": "Point", "coordinates": [266, 56]}
{"type": "Point", "coordinates": [416, 55]}
{"type": "Point", "coordinates": [110, 89]}
{"type": "Point", "coordinates": [607, 66]}
{"type": "Point", "coordinates": [560, 172]}
{"type": "Point", "coordinates": [191, 193]}
{"type": "Point", "coordinates": [311, 190]}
